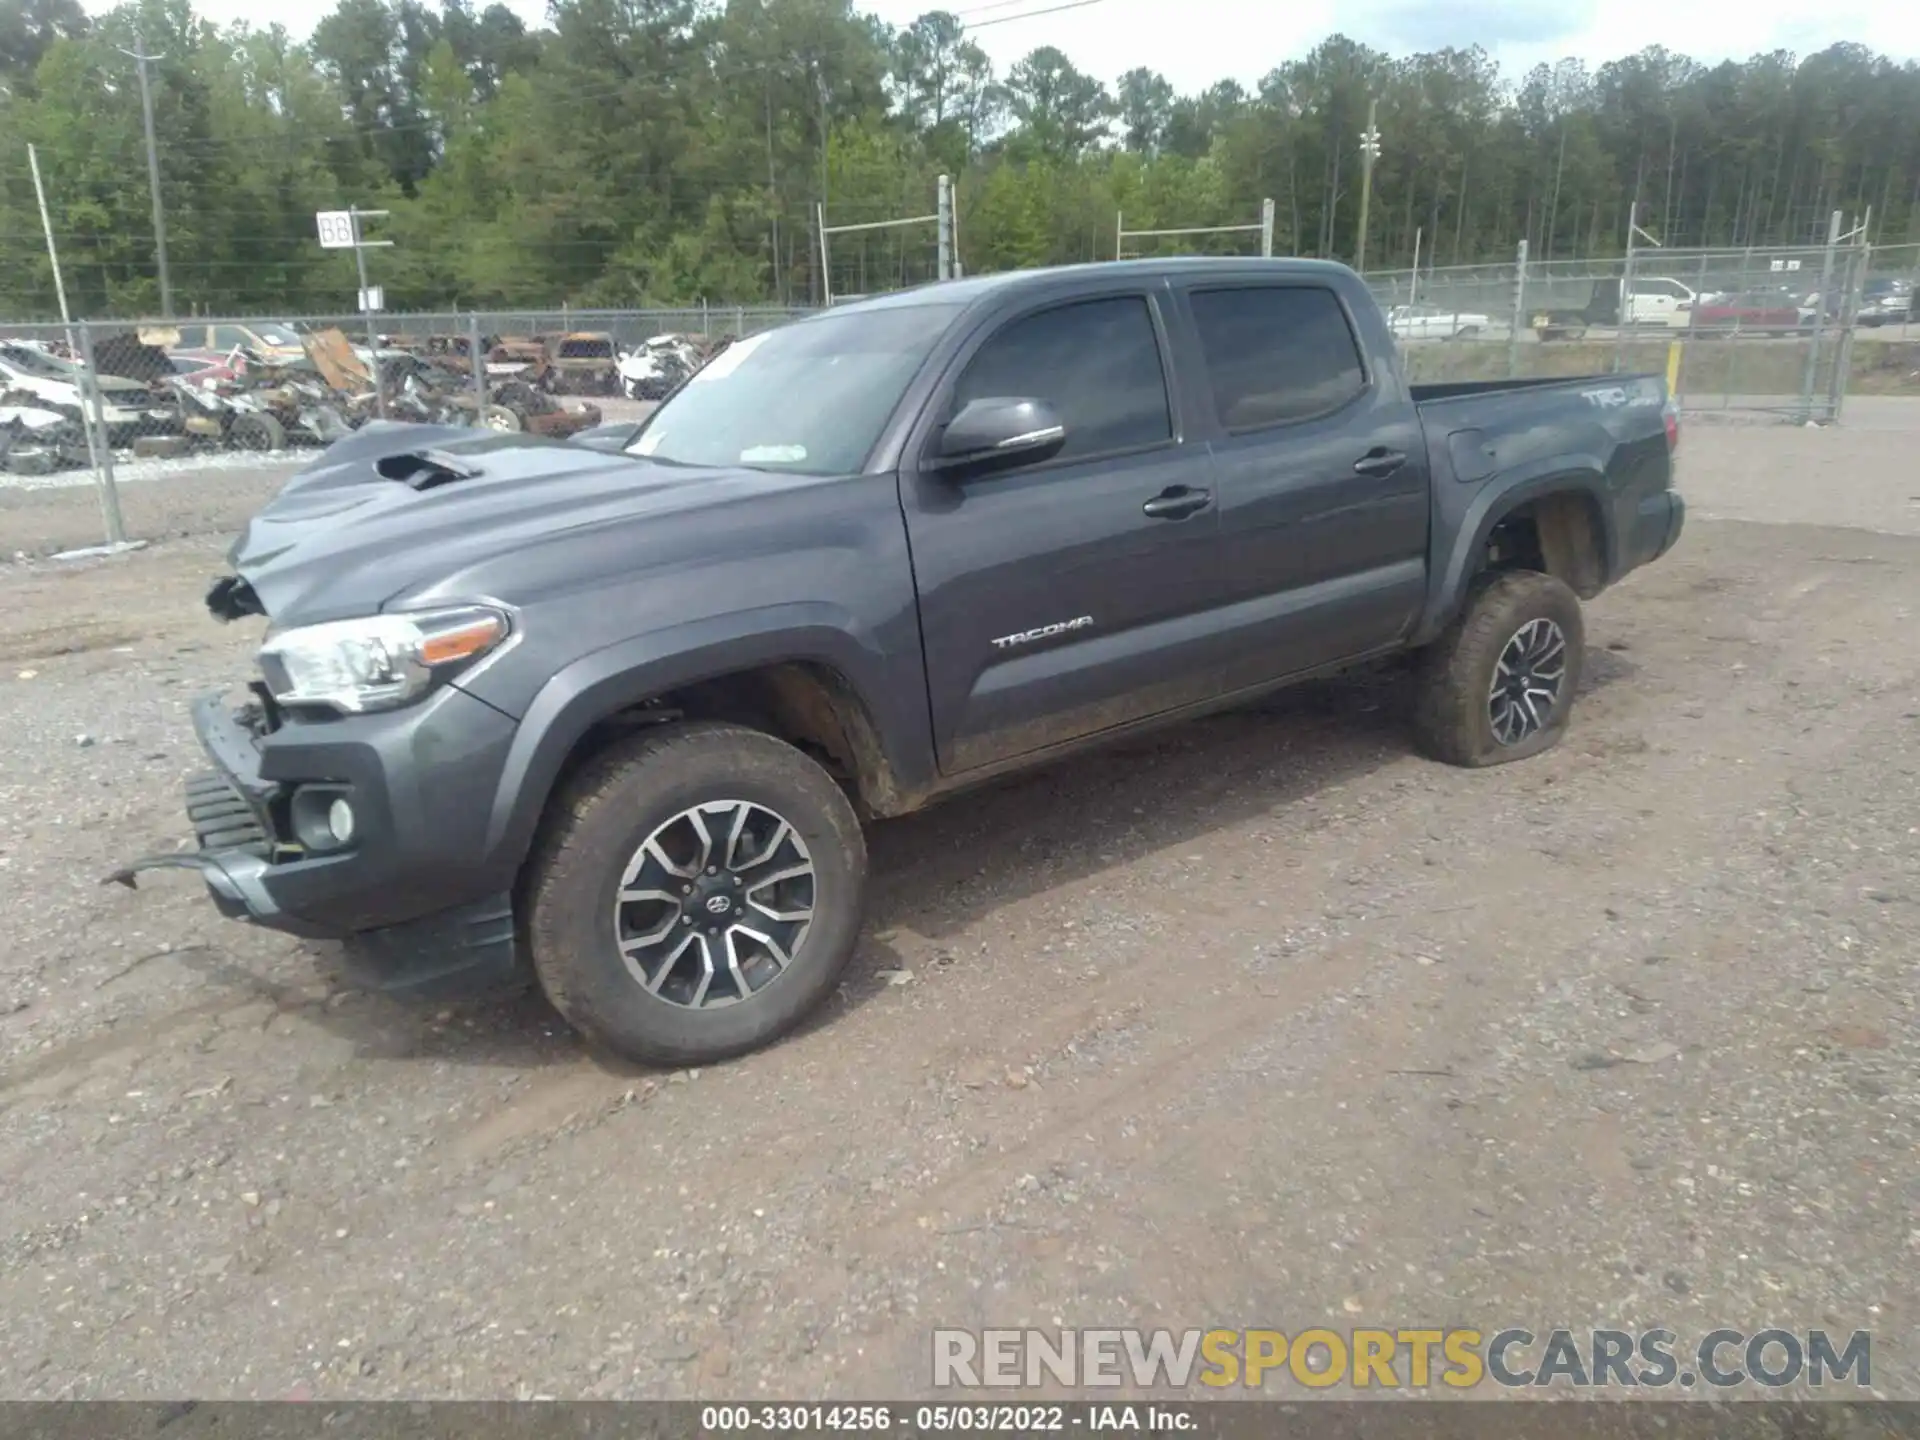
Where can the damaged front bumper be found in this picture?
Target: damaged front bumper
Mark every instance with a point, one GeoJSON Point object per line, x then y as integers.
{"type": "Point", "coordinates": [410, 893]}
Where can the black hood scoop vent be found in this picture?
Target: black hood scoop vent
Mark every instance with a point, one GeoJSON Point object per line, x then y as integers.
{"type": "Point", "coordinates": [425, 469]}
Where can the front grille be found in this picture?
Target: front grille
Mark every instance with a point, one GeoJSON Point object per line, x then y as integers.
{"type": "Point", "coordinates": [220, 815]}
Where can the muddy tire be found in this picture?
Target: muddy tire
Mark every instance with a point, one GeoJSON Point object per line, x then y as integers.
{"type": "Point", "coordinates": [263, 433]}
{"type": "Point", "coordinates": [694, 892]}
{"type": "Point", "coordinates": [503, 418]}
{"type": "Point", "coordinates": [1498, 685]}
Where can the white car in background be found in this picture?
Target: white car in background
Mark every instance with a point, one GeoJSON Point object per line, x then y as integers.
{"type": "Point", "coordinates": [128, 407]}
{"type": "Point", "coordinates": [1431, 322]}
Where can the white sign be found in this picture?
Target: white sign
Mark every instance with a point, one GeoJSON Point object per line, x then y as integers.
{"type": "Point", "coordinates": [336, 229]}
{"type": "Point", "coordinates": [1778, 265]}
{"type": "Point", "coordinates": [374, 297]}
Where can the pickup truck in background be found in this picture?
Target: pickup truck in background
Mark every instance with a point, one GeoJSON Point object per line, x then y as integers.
{"type": "Point", "coordinates": [1431, 322]}
{"type": "Point", "coordinates": [615, 719]}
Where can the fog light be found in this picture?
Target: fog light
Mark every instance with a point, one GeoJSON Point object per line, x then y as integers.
{"type": "Point", "coordinates": [340, 821]}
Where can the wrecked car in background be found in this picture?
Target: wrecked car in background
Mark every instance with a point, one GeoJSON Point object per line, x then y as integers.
{"type": "Point", "coordinates": [35, 440]}
{"type": "Point", "coordinates": [583, 363]}
{"type": "Point", "coordinates": [518, 357]}
{"type": "Point", "coordinates": [656, 367]}
{"type": "Point", "coordinates": [421, 391]}
{"type": "Point", "coordinates": [128, 407]}
{"type": "Point", "coordinates": [269, 340]}
{"type": "Point", "coordinates": [652, 369]}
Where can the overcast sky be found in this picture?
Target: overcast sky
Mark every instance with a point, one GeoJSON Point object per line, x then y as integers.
{"type": "Point", "coordinates": [1196, 42]}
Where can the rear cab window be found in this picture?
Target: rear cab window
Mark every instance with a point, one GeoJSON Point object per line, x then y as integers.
{"type": "Point", "coordinates": [1097, 362]}
{"type": "Point", "coordinates": [1276, 354]}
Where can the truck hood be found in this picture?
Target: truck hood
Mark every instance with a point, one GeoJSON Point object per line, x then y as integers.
{"type": "Point", "coordinates": [393, 508]}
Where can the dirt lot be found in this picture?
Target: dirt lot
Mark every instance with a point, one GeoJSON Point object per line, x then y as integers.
{"type": "Point", "coordinates": [1264, 1021]}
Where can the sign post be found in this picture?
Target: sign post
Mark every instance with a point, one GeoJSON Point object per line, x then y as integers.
{"type": "Point", "coordinates": [341, 230]}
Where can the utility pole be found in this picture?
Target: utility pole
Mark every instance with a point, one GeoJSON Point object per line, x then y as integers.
{"type": "Point", "coordinates": [99, 453]}
{"type": "Point", "coordinates": [944, 227]}
{"type": "Point", "coordinates": [1634, 233]}
{"type": "Point", "coordinates": [1369, 152]}
{"type": "Point", "coordinates": [140, 59]}
{"type": "Point", "coordinates": [370, 302]}
{"type": "Point", "coordinates": [342, 230]}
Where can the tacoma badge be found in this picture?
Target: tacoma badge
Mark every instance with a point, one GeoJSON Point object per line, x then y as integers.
{"type": "Point", "coordinates": [1044, 632]}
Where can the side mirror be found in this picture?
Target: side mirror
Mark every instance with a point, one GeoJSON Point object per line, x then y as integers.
{"type": "Point", "coordinates": [999, 429]}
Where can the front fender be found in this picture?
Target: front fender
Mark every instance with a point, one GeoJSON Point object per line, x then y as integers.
{"type": "Point", "coordinates": [629, 672]}
{"type": "Point", "coordinates": [1461, 539]}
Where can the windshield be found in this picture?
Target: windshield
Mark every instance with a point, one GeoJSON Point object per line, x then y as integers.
{"type": "Point", "coordinates": [810, 398]}
{"type": "Point", "coordinates": [277, 335]}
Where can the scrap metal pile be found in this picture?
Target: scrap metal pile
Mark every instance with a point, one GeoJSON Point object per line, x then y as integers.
{"type": "Point", "coordinates": [156, 403]}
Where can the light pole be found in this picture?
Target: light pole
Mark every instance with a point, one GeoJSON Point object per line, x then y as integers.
{"type": "Point", "coordinates": [1369, 152]}
{"type": "Point", "coordinates": [140, 58]}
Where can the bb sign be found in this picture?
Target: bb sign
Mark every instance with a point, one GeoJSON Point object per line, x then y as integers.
{"type": "Point", "coordinates": [336, 229]}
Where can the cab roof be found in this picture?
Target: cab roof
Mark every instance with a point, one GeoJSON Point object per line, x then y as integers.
{"type": "Point", "coordinates": [979, 287]}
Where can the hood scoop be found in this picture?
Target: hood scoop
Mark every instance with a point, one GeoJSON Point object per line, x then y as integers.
{"type": "Point", "coordinates": [425, 469]}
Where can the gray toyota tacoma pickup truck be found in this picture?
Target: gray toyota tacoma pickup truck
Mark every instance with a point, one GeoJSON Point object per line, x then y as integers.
{"type": "Point", "coordinates": [615, 720]}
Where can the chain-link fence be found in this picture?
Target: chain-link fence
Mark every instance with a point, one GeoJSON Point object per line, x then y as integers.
{"type": "Point", "coordinates": [1786, 331]}
{"type": "Point", "coordinates": [107, 402]}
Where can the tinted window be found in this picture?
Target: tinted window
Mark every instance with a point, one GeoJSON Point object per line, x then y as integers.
{"type": "Point", "coordinates": [1276, 354]}
{"type": "Point", "coordinates": [1097, 363]}
{"type": "Point", "coordinates": [231, 337]}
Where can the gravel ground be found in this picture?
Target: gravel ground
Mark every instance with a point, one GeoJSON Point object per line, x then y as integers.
{"type": "Point", "coordinates": [1261, 1021]}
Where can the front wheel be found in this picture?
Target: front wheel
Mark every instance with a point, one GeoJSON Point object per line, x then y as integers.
{"type": "Point", "coordinates": [696, 891]}
{"type": "Point", "coordinates": [1498, 684]}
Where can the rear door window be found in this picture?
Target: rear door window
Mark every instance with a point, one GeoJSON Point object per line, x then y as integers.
{"type": "Point", "coordinates": [1277, 355]}
{"type": "Point", "coordinates": [1097, 362]}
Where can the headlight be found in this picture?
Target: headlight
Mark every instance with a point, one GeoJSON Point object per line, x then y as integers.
{"type": "Point", "coordinates": [377, 662]}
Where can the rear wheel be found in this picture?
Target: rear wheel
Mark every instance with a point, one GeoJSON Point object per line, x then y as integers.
{"type": "Point", "coordinates": [696, 891]}
{"type": "Point", "coordinates": [503, 418]}
{"type": "Point", "coordinates": [1498, 684]}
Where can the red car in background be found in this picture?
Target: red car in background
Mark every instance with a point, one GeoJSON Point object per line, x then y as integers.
{"type": "Point", "coordinates": [208, 367]}
{"type": "Point", "coordinates": [1766, 313]}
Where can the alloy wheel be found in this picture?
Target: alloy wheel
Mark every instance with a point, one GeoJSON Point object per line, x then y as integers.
{"type": "Point", "coordinates": [715, 904]}
{"type": "Point", "coordinates": [1527, 681]}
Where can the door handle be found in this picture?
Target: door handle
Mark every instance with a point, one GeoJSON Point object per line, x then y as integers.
{"type": "Point", "coordinates": [1379, 462]}
{"type": "Point", "coordinates": [1176, 502]}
